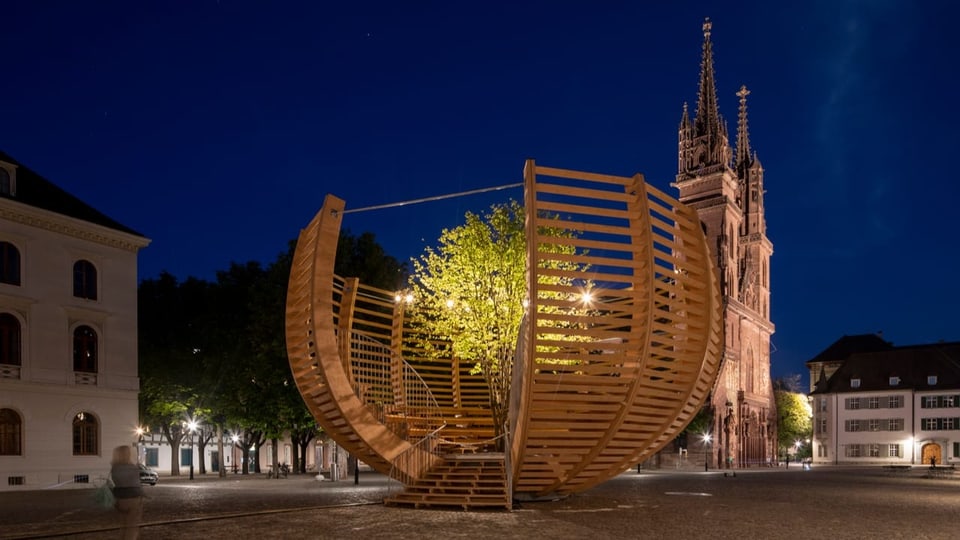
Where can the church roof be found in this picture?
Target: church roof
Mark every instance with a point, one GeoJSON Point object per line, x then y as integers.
{"type": "Point", "coordinates": [848, 345]}
{"type": "Point", "coordinates": [911, 366]}
{"type": "Point", "coordinates": [35, 190]}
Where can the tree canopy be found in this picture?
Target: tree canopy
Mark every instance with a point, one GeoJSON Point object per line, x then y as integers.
{"type": "Point", "coordinates": [795, 417]}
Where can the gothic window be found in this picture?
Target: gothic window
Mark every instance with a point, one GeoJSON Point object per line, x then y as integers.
{"type": "Point", "coordinates": [85, 433]}
{"type": "Point", "coordinates": [84, 280]}
{"type": "Point", "coordinates": [11, 427]}
{"type": "Point", "coordinates": [85, 349]}
{"type": "Point", "coordinates": [9, 263]}
{"type": "Point", "coordinates": [9, 340]}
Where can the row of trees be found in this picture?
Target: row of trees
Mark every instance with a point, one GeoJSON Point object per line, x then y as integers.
{"type": "Point", "coordinates": [213, 353]}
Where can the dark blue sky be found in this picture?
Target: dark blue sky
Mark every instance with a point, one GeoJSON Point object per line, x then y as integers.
{"type": "Point", "coordinates": [216, 128]}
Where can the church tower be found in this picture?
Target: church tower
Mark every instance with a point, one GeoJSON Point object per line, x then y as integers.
{"type": "Point", "coordinates": [726, 190]}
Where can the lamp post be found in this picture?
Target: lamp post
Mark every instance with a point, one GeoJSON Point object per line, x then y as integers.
{"type": "Point", "coordinates": [192, 426]}
{"type": "Point", "coordinates": [233, 451]}
{"type": "Point", "coordinates": [706, 452]}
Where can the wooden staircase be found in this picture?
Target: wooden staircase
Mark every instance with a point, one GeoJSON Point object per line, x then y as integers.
{"type": "Point", "coordinates": [467, 482]}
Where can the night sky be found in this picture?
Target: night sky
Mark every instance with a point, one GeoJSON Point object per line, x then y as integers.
{"type": "Point", "coordinates": [216, 128]}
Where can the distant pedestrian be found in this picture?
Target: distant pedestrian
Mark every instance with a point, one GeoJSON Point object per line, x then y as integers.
{"type": "Point", "coordinates": [126, 489]}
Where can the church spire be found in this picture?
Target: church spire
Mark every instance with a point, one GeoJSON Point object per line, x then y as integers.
{"type": "Point", "coordinates": [743, 157]}
{"type": "Point", "coordinates": [708, 114]}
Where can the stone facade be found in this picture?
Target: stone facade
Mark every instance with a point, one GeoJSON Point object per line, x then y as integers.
{"type": "Point", "coordinates": [68, 315]}
{"type": "Point", "coordinates": [725, 186]}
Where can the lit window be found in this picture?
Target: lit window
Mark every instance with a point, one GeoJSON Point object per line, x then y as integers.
{"type": "Point", "coordinates": [9, 263]}
{"type": "Point", "coordinates": [85, 432]}
{"type": "Point", "coordinates": [84, 280]}
{"type": "Point", "coordinates": [854, 383]}
{"type": "Point", "coordinates": [9, 340]}
{"type": "Point", "coordinates": [11, 427]}
{"type": "Point", "coordinates": [85, 350]}
{"type": "Point", "coordinates": [894, 381]}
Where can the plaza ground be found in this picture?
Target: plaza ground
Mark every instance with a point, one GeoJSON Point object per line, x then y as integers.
{"type": "Point", "coordinates": [833, 502]}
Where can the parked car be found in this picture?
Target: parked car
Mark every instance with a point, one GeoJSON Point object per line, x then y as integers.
{"type": "Point", "coordinates": [148, 475]}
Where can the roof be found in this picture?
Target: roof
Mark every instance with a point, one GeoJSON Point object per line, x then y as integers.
{"type": "Point", "coordinates": [35, 190]}
{"type": "Point", "coordinates": [848, 345]}
{"type": "Point", "coordinates": [912, 364]}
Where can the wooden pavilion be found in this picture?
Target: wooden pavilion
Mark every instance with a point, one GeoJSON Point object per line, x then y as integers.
{"type": "Point", "coordinates": [594, 391]}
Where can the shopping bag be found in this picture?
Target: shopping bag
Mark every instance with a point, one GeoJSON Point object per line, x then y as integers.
{"type": "Point", "coordinates": [103, 495]}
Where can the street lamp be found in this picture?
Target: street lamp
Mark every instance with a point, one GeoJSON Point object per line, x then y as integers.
{"type": "Point", "coordinates": [192, 427]}
{"type": "Point", "coordinates": [706, 452]}
{"type": "Point", "coordinates": [235, 438]}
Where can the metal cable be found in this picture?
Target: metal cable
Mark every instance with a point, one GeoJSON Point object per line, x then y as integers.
{"type": "Point", "coordinates": [431, 199]}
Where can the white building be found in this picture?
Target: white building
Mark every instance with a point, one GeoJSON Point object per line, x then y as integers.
{"type": "Point", "coordinates": [68, 333]}
{"type": "Point", "coordinates": [888, 405]}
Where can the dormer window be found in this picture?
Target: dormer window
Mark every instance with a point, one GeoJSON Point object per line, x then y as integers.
{"type": "Point", "coordinates": [931, 380]}
{"type": "Point", "coordinates": [894, 381]}
{"type": "Point", "coordinates": [854, 383]}
{"type": "Point", "coordinates": [6, 182]}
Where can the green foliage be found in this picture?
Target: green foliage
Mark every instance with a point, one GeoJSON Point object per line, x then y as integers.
{"type": "Point", "coordinates": [795, 421]}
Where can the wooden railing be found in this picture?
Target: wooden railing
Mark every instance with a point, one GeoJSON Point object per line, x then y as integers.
{"type": "Point", "coordinates": [416, 460]}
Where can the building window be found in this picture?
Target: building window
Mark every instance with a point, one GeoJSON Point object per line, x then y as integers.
{"type": "Point", "coordinates": [852, 403]}
{"type": "Point", "coordinates": [895, 402]}
{"type": "Point", "coordinates": [931, 380]}
{"type": "Point", "coordinates": [873, 424]}
{"type": "Point", "coordinates": [853, 450]}
{"type": "Point", "coordinates": [823, 404]}
{"type": "Point", "coordinates": [853, 425]}
{"type": "Point", "coordinates": [893, 450]}
{"type": "Point", "coordinates": [9, 340]}
{"type": "Point", "coordinates": [85, 431]}
{"type": "Point", "coordinates": [85, 350]}
{"type": "Point", "coordinates": [11, 426]}
{"type": "Point", "coordinates": [151, 457]}
{"type": "Point", "coordinates": [84, 280]}
{"type": "Point", "coordinates": [895, 424]}
{"type": "Point", "coordinates": [929, 402]}
{"type": "Point", "coordinates": [873, 403]}
{"type": "Point", "coordinates": [822, 425]}
{"type": "Point", "coordinates": [821, 450]}
{"type": "Point", "coordinates": [928, 424]}
{"type": "Point", "coordinates": [6, 186]}
{"type": "Point", "coordinates": [956, 449]}
{"type": "Point", "coordinates": [9, 263]}
{"type": "Point", "coordinates": [874, 450]}
{"type": "Point", "coordinates": [854, 383]}
{"type": "Point", "coordinates": [948, 424]}
{"type": "Point", "coordinates": [894, 381]}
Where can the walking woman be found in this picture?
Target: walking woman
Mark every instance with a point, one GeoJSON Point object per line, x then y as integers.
{"type": "Point", "coordinates": [126, 489]}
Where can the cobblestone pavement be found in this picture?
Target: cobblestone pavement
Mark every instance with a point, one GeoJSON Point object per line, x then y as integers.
{"type": "Point", "coordinates": [837, 503]}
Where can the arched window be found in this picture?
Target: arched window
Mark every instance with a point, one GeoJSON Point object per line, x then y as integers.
{"type": "Point", "coordinates": [10, 429]}
{"type": "Point", "coordinates": [9, 263]}
{"type": "Point", "coordinates": [84, 280]}
{"type": "Point", "coordinates": [85, 349]}
{"type": "Point", "coordinates": [85, 434]}
{"type": "Point", "coordinates": [9, 340]}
